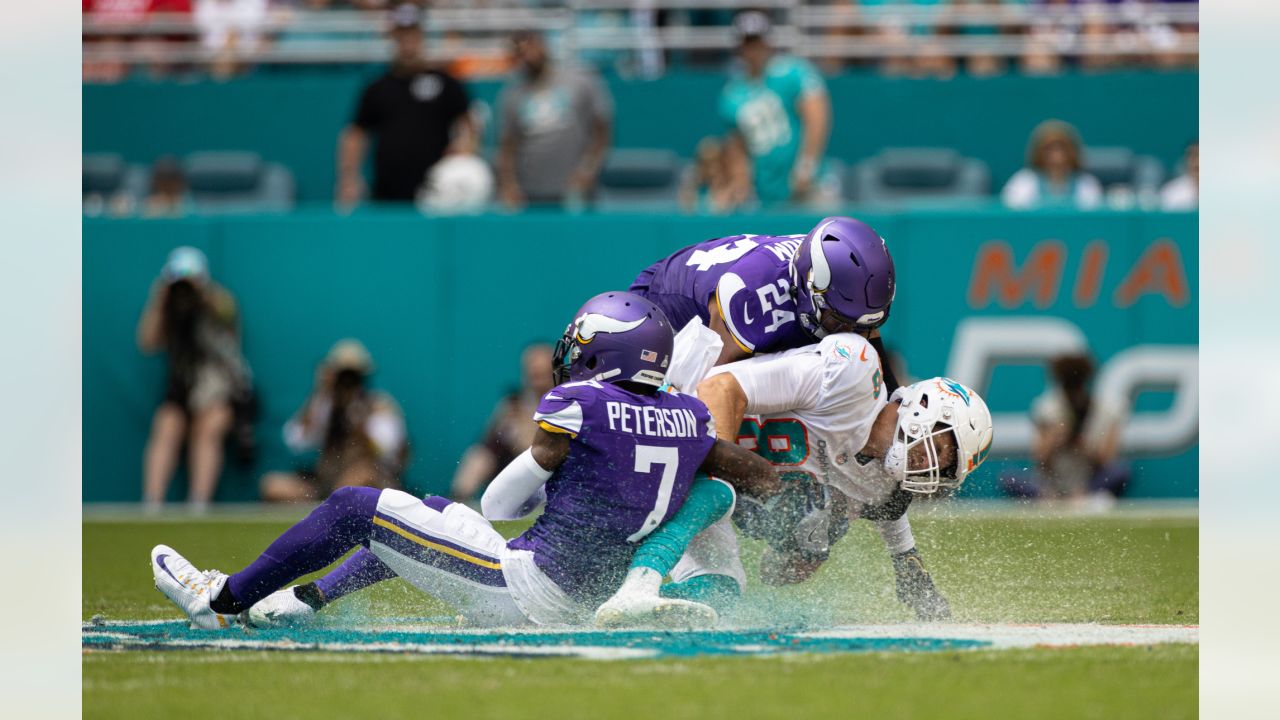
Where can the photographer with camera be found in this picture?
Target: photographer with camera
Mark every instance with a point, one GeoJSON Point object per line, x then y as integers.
{"type": "Point", "coordinates": [194, 321]}
{"type": "Point", "coordinates": [359, 432]}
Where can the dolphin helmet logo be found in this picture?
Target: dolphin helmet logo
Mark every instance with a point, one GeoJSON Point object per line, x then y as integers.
{"type": "Point", "coordinates": [955, 388]}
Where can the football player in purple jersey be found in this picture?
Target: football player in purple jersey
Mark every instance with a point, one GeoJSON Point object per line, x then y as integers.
{"type": "Point", "coordinates": [613, 459]}
{"type": "Point", "coordinates": [765, 293]}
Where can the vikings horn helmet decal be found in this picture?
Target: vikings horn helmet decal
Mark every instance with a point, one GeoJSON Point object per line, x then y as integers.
{"type": "Point", "coordinates": [616, 337]}
{"type": "Point", "coordinates": [591, 323]}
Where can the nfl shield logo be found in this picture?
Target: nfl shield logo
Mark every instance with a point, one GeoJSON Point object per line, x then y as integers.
{"type": "Point", "coordinates": [648, 356]}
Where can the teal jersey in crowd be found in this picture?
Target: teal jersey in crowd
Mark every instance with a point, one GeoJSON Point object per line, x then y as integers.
{"type": "Point", "coordinates": [764, 112]}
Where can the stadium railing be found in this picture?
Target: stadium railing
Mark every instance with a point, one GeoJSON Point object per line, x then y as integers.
{"type": "Point", "coordinates": [832, 32]}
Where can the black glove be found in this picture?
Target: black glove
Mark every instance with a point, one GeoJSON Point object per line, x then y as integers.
{"type": "Point", "coordinates": [916, 589]}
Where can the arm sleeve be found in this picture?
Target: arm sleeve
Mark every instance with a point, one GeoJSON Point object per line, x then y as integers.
{"type": "Point", "coordinates": [896, 534]}
{"type": "Point", "coordinates": [886, 369]}
{"type": "Point", "coordinates": [808, 79]}
{"type": "Point", "coordinates": [515, 491]}
{"type": "Point", "coordinates": [709, 500]}
{"type": "Point", "coordinates": [780, 383]}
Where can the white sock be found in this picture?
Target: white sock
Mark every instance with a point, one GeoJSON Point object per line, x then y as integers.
{"type": "Point", "coordinates": [641, 581]}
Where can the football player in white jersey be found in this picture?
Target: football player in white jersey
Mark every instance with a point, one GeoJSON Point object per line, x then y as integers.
{"type": "Point", "coordinates": [822, 414]}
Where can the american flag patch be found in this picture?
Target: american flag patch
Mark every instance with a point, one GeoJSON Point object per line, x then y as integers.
{"type": "Point", "coordinates": [648, 356]}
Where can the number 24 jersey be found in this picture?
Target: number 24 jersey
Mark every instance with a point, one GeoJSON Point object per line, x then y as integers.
{"type": "Point", "coordinates": [748, 277]}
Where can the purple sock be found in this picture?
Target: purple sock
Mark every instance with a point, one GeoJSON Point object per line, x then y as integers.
{"type": "Point", "coordinates": [338, 524]}
{"type": "Point", "coordinates": [359, 572]}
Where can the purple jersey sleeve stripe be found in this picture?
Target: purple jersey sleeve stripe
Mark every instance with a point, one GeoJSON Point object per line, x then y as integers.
{"type": "Point", "coordinates": [435, 543]}
{"type": "Point", "coordinates": [728, 323]}
{"type": "Point", "coordinates": [555, 428]}
{"type": "Point", "coordinates": [564, 413]}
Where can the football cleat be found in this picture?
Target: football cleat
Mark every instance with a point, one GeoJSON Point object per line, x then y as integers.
{"type": "Point", "coordinates": [635, 610]}
{"type": "Point", "coordinates": [190, 589]}
{"type": "Point", "coordinates": [281, 608]}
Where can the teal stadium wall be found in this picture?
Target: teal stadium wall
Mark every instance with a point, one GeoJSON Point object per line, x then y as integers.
{"type": "Point", "coordinates": [446, 304]}
{"type": "Point", "coordinates": [294, 117]}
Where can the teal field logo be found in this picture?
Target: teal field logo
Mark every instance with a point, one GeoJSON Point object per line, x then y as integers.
{"type": "Point", "coordinates": [416, 638]}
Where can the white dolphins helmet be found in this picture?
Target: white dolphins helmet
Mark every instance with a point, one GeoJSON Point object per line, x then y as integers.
{"type": "Point", "coordinates": [930, 408]}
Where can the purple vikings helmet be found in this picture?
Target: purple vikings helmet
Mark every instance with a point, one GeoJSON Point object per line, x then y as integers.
{"type": "Point", "coordinates": [615, 337]}
{"type": "Point", "coordinates": [842, 278]}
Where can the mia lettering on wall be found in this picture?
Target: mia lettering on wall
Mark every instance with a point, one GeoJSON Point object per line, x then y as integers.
{"type": "Point", "coordinates": [1006, 297]}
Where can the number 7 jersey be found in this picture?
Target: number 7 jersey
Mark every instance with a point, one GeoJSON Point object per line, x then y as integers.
{"type": "Point", "coordinates": [749, 277]}
{"type": "Point", "coordinates": [631, 461]}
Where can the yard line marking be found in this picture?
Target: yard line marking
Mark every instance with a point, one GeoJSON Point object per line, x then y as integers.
{"type": "Point", "coordinates": [406, 636]}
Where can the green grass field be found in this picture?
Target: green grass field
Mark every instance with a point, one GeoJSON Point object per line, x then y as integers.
{"type": "Point", "coordinates": [1118, 569]}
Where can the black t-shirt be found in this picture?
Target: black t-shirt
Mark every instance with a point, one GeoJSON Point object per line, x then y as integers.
{"type": "Point", "coordinates": [410, 115]}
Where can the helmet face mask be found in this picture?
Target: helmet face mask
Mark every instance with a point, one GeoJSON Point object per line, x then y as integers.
{"type": "Point", "coordinates": [566, 353]}
{"type": "Point", "coordinates": [929, 410]}
{"type": "Point", "coordinates": [615, 337]}
{"type": "Point", "coordinates": [827, 321]}
{"type": "Point", "coordinates": [924, 475]}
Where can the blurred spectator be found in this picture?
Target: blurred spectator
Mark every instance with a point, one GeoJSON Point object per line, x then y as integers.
{"type": "Point", "coordinates": [288, 15]}
{"type": "Point", "coordinates": [412, 112]}
{"type": "Point", "coordinates": [468, 64]}
{"type": "Point", "coordinates": [555, 124]}
{"type": "Point", "coordinates": [981, 64]}
{"type": "Point", "coordinates": [1046, 41]}
{"type": "Point", "coordinates": [1097, 33]}
{"type": "Point", "coordinates": [195, 322]}
{"type": "Point", "coordinates": [232, 31]}
{"type": "Point", "coordinates": [359, 432]}
{"type": "Point", "coordinates": [1053, 176]}
{"type": "Point", "coordinates": [511, 427]}
{"type": "Point", "coordinates": [168, 194]}
{"type": "Point", "coordinates": [125, 13]}
{"type": "Point", "coordinates": [1077, 438]}
{"type": "Point", "coordinates": [705, 185]}
{"type": "Point", "coordinates": [1183, 192]}
{"type": "Point", "coordinates": [780, 119]}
